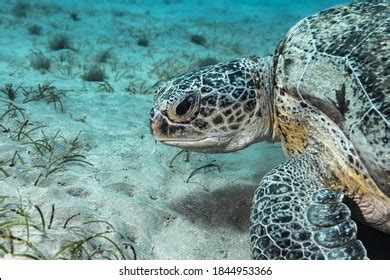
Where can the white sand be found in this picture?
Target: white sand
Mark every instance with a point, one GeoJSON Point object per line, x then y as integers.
{"type": "Point", "coordinates": [130, 184]}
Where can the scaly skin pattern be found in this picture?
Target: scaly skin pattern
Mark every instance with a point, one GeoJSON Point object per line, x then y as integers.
{"type": "Point", "coordinates": [298, 217]}
{"type": "Point", "coordinates": [338, 62]}
{"type": "Point", "coordinates": [347, 109]}
{"type": "Point", "coordinates": [324, 94]}
{"type": "Point", "coordinates": [303, 126]}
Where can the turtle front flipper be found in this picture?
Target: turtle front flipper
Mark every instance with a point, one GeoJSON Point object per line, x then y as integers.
{"type": "Point", "coordinates": [295, 216]}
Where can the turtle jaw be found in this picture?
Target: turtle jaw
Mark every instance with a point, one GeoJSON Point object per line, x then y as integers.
{"type": "Point", "coordinates": [206, 145]}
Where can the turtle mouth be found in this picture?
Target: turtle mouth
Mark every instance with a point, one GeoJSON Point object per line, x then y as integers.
{"type": "Point", "coordinates": [182, 142]}
{"type": "Point", "coordinates": [179, 141]}
{"type": "Point", "coordinates": [168, 133]}
{"type": "Point", "coordinates": [203, 145]}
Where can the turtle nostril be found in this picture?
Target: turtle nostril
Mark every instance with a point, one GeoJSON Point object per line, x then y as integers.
{"type": "Point", "coordinates": [152, 114]}
{"type": "Point", "coordinates": [164, 128]}
{"type": "Point", "coordinates": [152, 121]}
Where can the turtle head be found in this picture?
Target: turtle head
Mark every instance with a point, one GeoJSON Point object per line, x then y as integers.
{"type": "Point", "coordinates": [219, 108]}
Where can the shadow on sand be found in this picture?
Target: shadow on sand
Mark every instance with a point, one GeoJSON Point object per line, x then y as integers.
{"type": "Point", "coordinates": [229, 208]}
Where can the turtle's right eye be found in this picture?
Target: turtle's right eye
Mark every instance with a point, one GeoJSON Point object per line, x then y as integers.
{"type": "Point", "coordinates": [185, 110]}
{"type": "Point", "coordinates": [185, 105]}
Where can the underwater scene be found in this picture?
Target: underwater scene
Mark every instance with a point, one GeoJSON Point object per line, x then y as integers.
{"type": "Point", "coordinates": [82, 176]}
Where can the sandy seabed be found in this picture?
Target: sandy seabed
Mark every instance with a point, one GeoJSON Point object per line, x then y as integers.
{"type": "Point", "coordinates": [80, 174]}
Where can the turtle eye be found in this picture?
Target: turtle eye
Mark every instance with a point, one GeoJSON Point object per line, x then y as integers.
{"type": "Point", "coordinates": [185, 105]}
{"type": "Point", "coordinates": [185, 110]}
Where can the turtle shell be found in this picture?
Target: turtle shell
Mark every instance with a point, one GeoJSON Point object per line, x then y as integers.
{"type": "Point", "coordinates": [338, 61]}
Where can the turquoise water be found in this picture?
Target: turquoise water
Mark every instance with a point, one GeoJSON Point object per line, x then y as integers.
{"type": "Point", "coordinates": [76, 155]}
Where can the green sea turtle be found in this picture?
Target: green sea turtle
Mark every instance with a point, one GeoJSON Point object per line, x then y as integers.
{"type": "Point", "coordinates": [325, 95]}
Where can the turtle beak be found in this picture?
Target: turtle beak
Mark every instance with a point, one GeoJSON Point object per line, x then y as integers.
{"type": "Point", "coordinates": [158, 125]}
{"type": "Point", "coordinates": [153, 123]}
